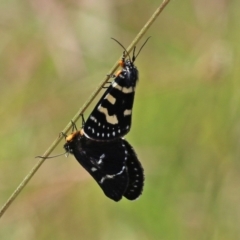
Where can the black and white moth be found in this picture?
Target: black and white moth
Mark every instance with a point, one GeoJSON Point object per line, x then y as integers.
{"type": "Point", "coordinates": [114, 165]}
{"type": "Point", "coordinates": [112, 116]}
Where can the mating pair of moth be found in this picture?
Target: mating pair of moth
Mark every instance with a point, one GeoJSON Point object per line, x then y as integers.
{"type": "Point", "coordinates": [99, 146]}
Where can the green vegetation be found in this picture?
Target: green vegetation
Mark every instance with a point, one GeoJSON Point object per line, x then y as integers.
{"type": "Point", "coordinates": [186, 119]}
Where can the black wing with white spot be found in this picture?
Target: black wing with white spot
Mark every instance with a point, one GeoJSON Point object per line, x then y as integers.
{"type": "Point", "coordinates": [112, 116]}
{"type": "Point", "coordinates": [112, 164]}
{"type": "Point", "coordinates": [106, 163]}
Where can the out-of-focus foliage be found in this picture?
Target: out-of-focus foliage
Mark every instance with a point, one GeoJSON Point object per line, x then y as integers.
{"type": "Point", "coordinates": [186, 120]}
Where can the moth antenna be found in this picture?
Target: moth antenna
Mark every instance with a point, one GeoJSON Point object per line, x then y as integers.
{"type": "Point", "coordinates": [134, 57]}
{"type": "Point", "coordinates": [142, 47]}
{"type": "Point", "coordinates": [52, 156]}
{"type": "Point", "coordinates": [125, 50]}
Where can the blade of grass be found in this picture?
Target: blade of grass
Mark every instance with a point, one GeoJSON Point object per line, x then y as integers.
{"type": "Point", "coordinates": [80, 111]}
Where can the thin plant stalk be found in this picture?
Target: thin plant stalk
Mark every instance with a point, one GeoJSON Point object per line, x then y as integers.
{"type": "Point", "coordinates": [80, 111]}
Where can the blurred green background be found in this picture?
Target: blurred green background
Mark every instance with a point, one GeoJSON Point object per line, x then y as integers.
{"type": "Point", "coordinates": [186, 120]}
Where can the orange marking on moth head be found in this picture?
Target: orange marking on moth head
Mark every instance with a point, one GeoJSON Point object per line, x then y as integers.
{"type": "Point", "coordinates": [118, 72]}
{"type": "Point", "coordinates": [122, 63]}
{"type": "Point", "coordinates": [70, 137]}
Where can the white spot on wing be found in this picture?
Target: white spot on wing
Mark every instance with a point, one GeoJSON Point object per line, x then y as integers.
{"type": "Point", "coordinates": [123, 89]}
{"type": "Point", "coordinates": [110, 119]}
{"type": "Point", "coordinates": [112, 176]}
{"type": "Point", "coordinates": [127, 112]}
{"type": "Point", "coordinates": [93, 118]}
{"type": "Point", "coordinates": [114, 84]}
{"type": "Point", "coordinates": [111, 99]}
{"type": "Point", "coordinates": [100, 161]}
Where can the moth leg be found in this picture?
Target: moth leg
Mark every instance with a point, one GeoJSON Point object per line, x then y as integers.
{"type": "Point", "coordinates": [83, 120]}
{"type": "Point", "coordinates": [62, 134]}
{"type": "Point", "coordinates": [108, 82]}
{"type": "Point", "coordinates": [74, 126]}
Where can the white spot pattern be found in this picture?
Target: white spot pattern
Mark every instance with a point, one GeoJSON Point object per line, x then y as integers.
{"type": "Point", "coordinates": [127, 112]}
{"type": "Point", "coordinates": [112, 176]}
{"type": "Point", "coordinates": [111, 99]}
{"type": "Point", "coordinates": [123, 89]}
{"type": "Point", "coordinates": [110, 119]}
